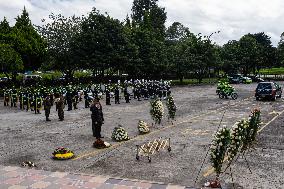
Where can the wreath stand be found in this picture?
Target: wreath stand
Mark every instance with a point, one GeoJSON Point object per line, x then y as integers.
{"type": "Point", "coordinates": [152, 147]}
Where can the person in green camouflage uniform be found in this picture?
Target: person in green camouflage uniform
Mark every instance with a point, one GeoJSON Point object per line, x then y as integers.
{"type": "Point", "coordinates": [14, 97]}
{"type": "Point", "coordinates": [38, 103]}
{"type": "Point", "coordinates": [6, 97]}
{"type": "Point", "coordinates": [47, 105]}
{"type": "Point", "coordinates": [60, 108]}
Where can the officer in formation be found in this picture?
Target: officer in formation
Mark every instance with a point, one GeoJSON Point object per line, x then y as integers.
{"type": "Point", "coordinates": [34, 98]}
{"type": "Point", "coordinates": [116, 95]}
{"type": "Point", "coordinates": [147, 89]}
{"type": "Point", "coordinates": [108, 96]}
{"type": "Point", "coordinates": [31, 98]}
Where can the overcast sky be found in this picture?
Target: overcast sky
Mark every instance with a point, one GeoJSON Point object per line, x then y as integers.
{"type": "Point", "coordinates": [233, 18]}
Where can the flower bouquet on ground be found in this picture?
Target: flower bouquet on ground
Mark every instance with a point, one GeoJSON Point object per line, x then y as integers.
{"type": "Point", "coordinates": [171, 108]}
{"type": "Point", "coordinates": [100, 144]}
{"type": "Point", "coordinates": [143, 127]}
{"type": "Point", "coordinates": [62, 153]}
{"type": "Point", "coordinates": [119, 134]}
{"type": "Point", "coordinates": [157, 111]}
{"type": "Point", "coordinates": [218, 151]}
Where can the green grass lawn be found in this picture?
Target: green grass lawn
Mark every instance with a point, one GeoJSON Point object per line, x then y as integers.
{"type": "Point", "coordinates": [194, 81]}
{"type": "Point", "coordinates": [272, 71]}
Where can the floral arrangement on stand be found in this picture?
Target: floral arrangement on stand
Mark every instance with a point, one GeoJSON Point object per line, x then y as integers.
{"type": "Point", "coordinates": [143, 127]}
{"type": "Point", "coordinates": [62, 153]}
{"type": "Point", "coordinates": [120, 134]}
{"type": "Point", "coordinates": [171, 108]}
{"type": "Point", "coordinates": [232, 142]}
{"type": "Point", "coordinates": [100, 144]}
{"type": "Point", "coordinates": [218, 150]}
{"type": "Point", "coordinates": [238, 132]}
{"type": "Point", "coordinates": [157, 111]}
{"type": "Point", "coordinates": [251, 132]}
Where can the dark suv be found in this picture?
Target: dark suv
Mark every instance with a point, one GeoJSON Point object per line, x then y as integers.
{"type": "Point", "coordinates": [269, 90]}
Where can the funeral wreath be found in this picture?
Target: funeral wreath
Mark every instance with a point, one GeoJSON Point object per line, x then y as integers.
{"type": "Point", "coordinates": [63, 153]}
{"type": "Point", "coordinates": [120, 134]}
{"type": "Point", "coordinates": [157, 111]}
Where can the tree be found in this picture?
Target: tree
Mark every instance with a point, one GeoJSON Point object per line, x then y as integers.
{"type": "Point", "coordinates": [27, 42]}
{"type": "Point", "coordinates": [176, 32]}
{"type": "Point", "coordinates": [102, 43]}
{"type": "Point", "coordinates": [229, 57]}
{"type": "Point", "coordinates": [248, 54]}
{"type": "Point", "coordinates": [267, 55]}
{"type": "Point", "coordinates": [61, 35]}
{"type": "Point", "coordinates": [10, 60]}
{"type": "Point", "coordinates": [280, 49]}
{"type": "Point", "coordinates": [5, 27]}
{"type": "Point", "coordinates": [139, 8]}
{"type": "Point", "coordinates": [148, 15]}
{"type": "Point", "coordinates": [148, 35]}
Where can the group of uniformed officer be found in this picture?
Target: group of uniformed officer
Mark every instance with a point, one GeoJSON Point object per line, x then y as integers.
{"type": "Point", "coordinates": [28, 99]}
{"type": "Point", "coordinates": [34, 98]}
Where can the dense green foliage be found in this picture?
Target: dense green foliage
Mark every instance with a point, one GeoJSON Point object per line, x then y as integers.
{"type": "Point", "coordinates": [140, 46]}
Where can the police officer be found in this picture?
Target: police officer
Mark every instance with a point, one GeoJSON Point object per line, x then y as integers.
{"type": "Point", "coordinates": [47, 105]}
{"type": "Point", "coordinates": [38, 103]}
{"type": "Point", "coordinates": [97, 118]}
{"type": "Point", "coordinates": [116, 95]}
{"type": "Point", "coordinates": [126, 95]}
{"type": "Point", "coordinates": [69, 99]}
{"type": "Point", "coordinates": [6, 97]}
{"type": "Point", "coordinates": [86, 97]}
{"type": "Point", "coordinates": [108, 97]}
{"type": "Point", "coordinates": [60, 107]}
{"type": "Point", "coordinates": [75, 99]}
{"type": "Point", "coordinates": [14, 97]}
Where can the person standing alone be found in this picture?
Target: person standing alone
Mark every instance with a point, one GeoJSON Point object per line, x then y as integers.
{"type": "Point", "coordinates": [97, 118]}
{"type": "Point", "coordinates": [47, 105]}
{"type": "Point", "coordinates": [60, 108]}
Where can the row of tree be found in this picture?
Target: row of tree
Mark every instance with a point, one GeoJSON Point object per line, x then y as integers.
{"type": "Point", "coordinates": [140, 46]}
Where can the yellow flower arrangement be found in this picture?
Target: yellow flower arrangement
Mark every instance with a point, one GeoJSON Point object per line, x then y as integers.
{"type": "Point", "coordinates": [64, 156]}
{"type": "Point", "coordinates": [63, 153]}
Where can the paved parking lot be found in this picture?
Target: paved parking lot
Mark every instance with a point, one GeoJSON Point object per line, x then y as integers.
{"type": "Point", "coordinates": [27, 137]}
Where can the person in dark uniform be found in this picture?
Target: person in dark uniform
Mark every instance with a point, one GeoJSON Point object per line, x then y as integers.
{"type": "Point", "coordinates": [116, 95]}
{"type": "Point", "coordinates": [38, 103]}
{"type": "Point", "coordinates": [86, 97]}
{"type": "Point", "coordinates": [14, 97]}
{"type": "Point", "coordinates": [108, 97]}
{"type": "Point", "coordinates": [97, 118]}
{"type": "Point", "coordinates": [47, 105]}
{"type": "Point", "coordinates": [60, 108]}
{"type": "Point", "coordinates": [6, 97]}
{"type": "Point", "coordinates": [126, 95]}
{"type": "Point", "coordinates": [69, 100]}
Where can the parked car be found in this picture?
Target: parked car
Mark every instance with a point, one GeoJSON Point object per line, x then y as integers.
{"type": "Point", "coordinates": [245, 80]}
{"type": "Point", "coordinates": [256, 79]}
{"type": "Point", "coordinates": [3, 79]}
{"type": "Point", "coordinates": [235, 78]}
{"type": "Point", "coordinates": [268, 90]}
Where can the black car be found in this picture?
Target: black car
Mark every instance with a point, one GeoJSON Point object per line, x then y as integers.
{"type": "Point", "coordinates": [256, 79]}
{"type": "Point", "coordinates": [235, 78]}
{"type": "Point", "coordinates": [268, 90]}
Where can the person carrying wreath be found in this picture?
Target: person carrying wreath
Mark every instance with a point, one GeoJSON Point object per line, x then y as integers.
{"type": "Point", "coordinates": [97, 118]}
